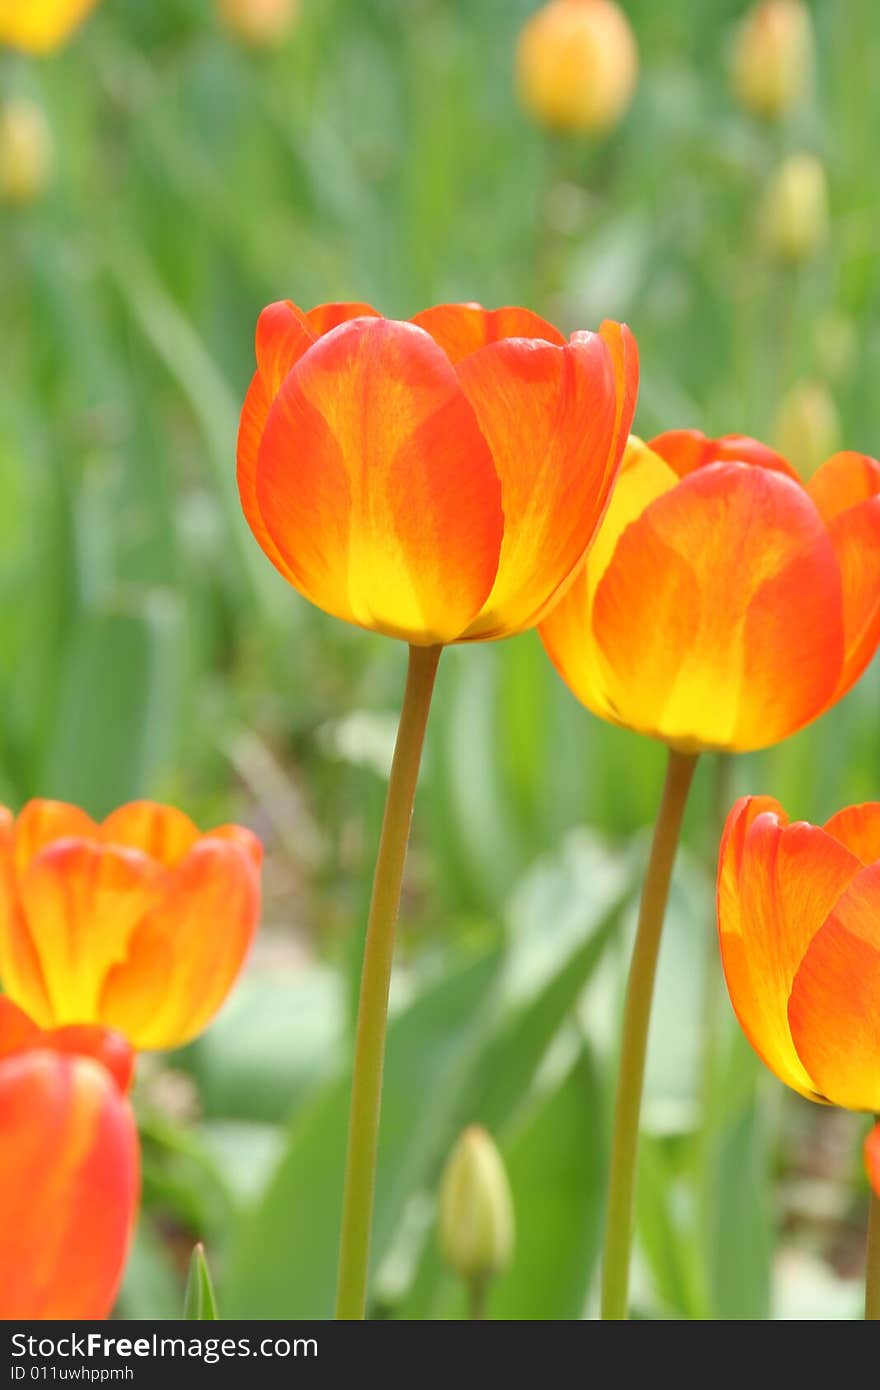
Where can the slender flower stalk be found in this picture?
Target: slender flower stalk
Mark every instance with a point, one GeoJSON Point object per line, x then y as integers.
{"type": "Point", "coordinates": [369, 1057]}
{"type": "Point", "coordinates": [637, 1018]}
{"type": "Point", "coordinates": [872, 1271]}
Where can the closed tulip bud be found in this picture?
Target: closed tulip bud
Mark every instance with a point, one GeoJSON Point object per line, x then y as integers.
{"type": "Point", "coordinates": [476, 1209]}
{"type": "Point", "coordinates": [260, 23]}
{"type": "Point", "coordinates": [807, 426]}
{"type": "Point", "coordinates": [773, 58]}
{"type": "Point", "coordinates": [577, 65]}
{"type": "Point", "coordinates": [27, 154]}
{"type": "Point", "coordinates": [39, 26]}
{"type": "Point", "coordinates": [794, 213]}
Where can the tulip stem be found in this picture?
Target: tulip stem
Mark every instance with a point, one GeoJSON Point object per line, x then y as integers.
{"type": "Point", "coordinates": [620, 1220]}
{"type": "Point", "coordinates": [369, 1054]}
{"type": "Point", "coordinates": [872, 1275]}
{"type": "Point", "coordinates": [478, 1291]}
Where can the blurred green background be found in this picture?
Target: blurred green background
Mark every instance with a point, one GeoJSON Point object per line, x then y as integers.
{"type": "Point", "coordinates": [148, 648]}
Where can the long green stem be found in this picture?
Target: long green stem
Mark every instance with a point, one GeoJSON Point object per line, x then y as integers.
{"type": "Point", "coordinates": [369, 1056]}
{"type": "Point", "coordinates": [636, 1020]}
{"type": "Point", "coordinates": [872, 1272]}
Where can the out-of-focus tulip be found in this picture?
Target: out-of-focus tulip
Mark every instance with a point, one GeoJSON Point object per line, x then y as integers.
{"type": "Point", "coordinates": [438, 480]}
{"type": "Point", "coordinates": [872, 1158]}
{"type": "Point", "coordinates": [27, 154]}
{"type": "Point", "coordinates": [799, 919]}
{"type": "Point", "coordinates": [476, 1209]}
{"type": "Point", "coordinates": [794, 214]}
{"type": "Point", "coordinates": [577, 65]}
{"type": "Point", "coordinates": [69, 1177]}
{"type": "Point", "coordinates": [807, 429]}
{"type": "Point", "coordinates": [38, 26]}
{"type": "Point", "coordinates": [140, 924]}
{"type": "Point", "coordinates": [724, 604]}
{"type": "Point", "coordinates": [262, 23]}
{"type": "Point", "coordinates": [773, 57]}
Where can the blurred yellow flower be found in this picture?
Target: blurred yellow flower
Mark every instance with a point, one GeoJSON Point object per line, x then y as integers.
{"type": "Point", "coordinates": [38, 26]}
{"type": "Point", "coordinates": [794, 213]}
{"type": "Point", "coordinates": [261, 23]}
{"type": "Point", "coordinates": [773, 57]}
{"type": "Point", "coordinates": [27, 154]}
{"type": "Point", "coordinates": [577, 65]}
{"type": "Point", "coordinates": [807, 429]}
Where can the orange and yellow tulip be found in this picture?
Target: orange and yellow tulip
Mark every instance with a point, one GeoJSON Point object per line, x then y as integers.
{"type": "Point", "coordinates": [437, 480]}
{"type": "Point", "coordinates": [69, 1174]}
{"type": "Point", "coordinates": [38, 26]}
{"type": "Point", "coordinates": [140, 924]}
{"type": "Point", "coordinates": [799, 921]}
{"type": "Point", "coordinates": [724, 604]}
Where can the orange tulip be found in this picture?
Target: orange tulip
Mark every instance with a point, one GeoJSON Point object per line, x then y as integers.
{"type": "Point", "coordinates": [69, 1175]}
{"type": "Point", "coordinates": [38, 26]}
{"type": "Point", "coordinates": [799, 918]}
{"type": "Point", "coordinates": [139, 924]}
{"type": "Point", "coordinates": [438, 480]}
{"type": "Point", "coordinates": [724, 604]}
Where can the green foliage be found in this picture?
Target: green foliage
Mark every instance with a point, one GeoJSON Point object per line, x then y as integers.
{"type": "Point", "coordinates": [147, 648]}
{"type": "Point", "coordinates": [199, 1304]}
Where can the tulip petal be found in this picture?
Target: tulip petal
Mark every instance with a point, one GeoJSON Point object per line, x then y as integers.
{"type": "Point", "coordinates": [18, 1033]}
{"type": "Point", "coordinates": [858, 827]}
{"type": "Point", "coordinates": [162, 832]}
{"type": "Point", "coordinates": [552, 417]}
{"type": "Point", "coordinates": [692, 617]}
{"type": "Point", "coordinates": [833, 1010]}
{"type": "Point", "coordinates": [69, 1180]}
{"type": "Point", "coordinates": [567, 631]}
{"type": "Point", "coordinates": [40, 823]}
{"type": "Point", "coordinates": [19, 963]}
{"type": "Point", "coordinates": [187, 951]}
{"type": "Point", "coordinates": [855, 535]}
{"type": "Point", "coordinates": [377, 487]}
{"type": "Point", "coordinates": [776, 885]}
{"type": "Point", "coordinates": [325, 317]}
{"type": "Point", "coordinates": [687, 450]}
{"type": "Point", "coordinates": [81, 903]}
{"type": "Point", "coordinates": [460, 329]}
{"type": "Point", "coordinates": [843, 481]}
{"type": "Point", "coordinates": [872, 1158]}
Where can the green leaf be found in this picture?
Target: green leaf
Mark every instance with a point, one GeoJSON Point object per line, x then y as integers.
{"type": "Point", "coordinates": [555, 1160]}
{"type": "Point", "coordinates": [117, 716]}
{"type": "Point", "coordinates": [199, 1304]}
{"type": "Point", "coordinates": [283, 1263]}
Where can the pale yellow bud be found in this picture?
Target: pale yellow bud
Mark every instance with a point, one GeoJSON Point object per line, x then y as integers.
{"type": "Point", "coordinates": [795, 209]}
{"type": "Point", "coordinates": [260, 23]}
{"type": "Point", "coordinates": [577, 65]}
{"type": "Point", "coordinates": [773, 57]}
{"type": "Point", "coordinates": [27, 153]}
{"type": "Point", "coordinates": [476, 1209]}
{"type": "Point", "coordinates": [807, 429]}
